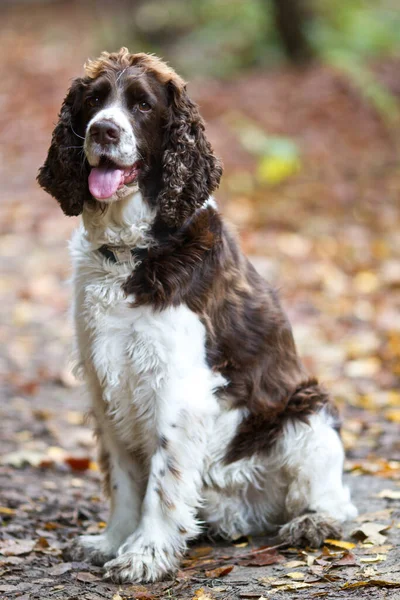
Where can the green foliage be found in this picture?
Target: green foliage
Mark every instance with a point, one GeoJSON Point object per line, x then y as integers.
{"type": "Point", "coordinates": [222, 37]}
{"type": "Point", "coordinates": [357, 29]}
{"type": "Point", "coordinates": [278, 157]}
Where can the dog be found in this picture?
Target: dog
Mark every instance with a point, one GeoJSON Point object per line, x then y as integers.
{"type": "Point", "coordinates": [204, 414]}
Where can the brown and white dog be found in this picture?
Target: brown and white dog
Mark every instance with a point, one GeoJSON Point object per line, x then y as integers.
{"type": "Point", "coordinates": [204, 413]}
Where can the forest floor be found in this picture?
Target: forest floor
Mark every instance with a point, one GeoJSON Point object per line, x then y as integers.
{"type": "Point", "coordinates": [327, 234]}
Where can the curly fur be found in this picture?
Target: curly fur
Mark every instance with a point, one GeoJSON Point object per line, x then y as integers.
{"type": "Point", "coordinates": [189, 171]}
{"type": "Point", "coordinates": [65, 172]}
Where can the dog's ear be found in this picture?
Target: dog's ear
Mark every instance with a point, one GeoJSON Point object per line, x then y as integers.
{"type": "Point", "coordinates": [65, 172]}
{"type": "Point", "coordinates": [190, 170]}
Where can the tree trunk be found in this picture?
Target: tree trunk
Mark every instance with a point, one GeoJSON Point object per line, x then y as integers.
{"type": "Point", "coordinates": [291, 17]}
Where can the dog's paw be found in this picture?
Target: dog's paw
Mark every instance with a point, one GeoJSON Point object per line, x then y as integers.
{"type": "Point", "coordinates": [141, 563]}
{"type": "Point", "coordinates": [96, 549]}
{"type": "Point", "coordinates": [310, 529]}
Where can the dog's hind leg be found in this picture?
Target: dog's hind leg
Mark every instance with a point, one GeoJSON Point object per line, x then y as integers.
{"type": "Point", "coordinates": [316, 501]}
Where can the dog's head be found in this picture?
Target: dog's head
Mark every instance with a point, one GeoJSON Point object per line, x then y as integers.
{"type": "Point", "coordinates": [130, 124]}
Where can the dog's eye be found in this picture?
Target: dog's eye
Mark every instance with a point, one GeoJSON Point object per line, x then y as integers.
{"type": "Point", "coordinates": [92, 101]}
{"type": "Point", "coordinates": [144, 106]}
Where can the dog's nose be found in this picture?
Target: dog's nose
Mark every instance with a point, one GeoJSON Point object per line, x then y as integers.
{"type": "Point", "coordinates": [104, 132]}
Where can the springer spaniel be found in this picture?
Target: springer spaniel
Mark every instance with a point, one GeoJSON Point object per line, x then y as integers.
{"type": "Point", "coordinates": [204, 414]}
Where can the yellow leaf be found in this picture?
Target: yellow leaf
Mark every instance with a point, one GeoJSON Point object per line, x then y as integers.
{"type": "Point", "coordinates": [201, 595]}
{"type": "Point", "coordinates": [296, 585]}
{"type": "Point", "coordinates": [340, 544]}
{"type": "Point", "coordinates": [275, 169]}
{"type": "Point", "coordinates": [372, 559]}
{"type": "Point", "coordinates": [393, 414]}
{"type": "Point", "coordinates": [366, 282]}
{"type": "Point", "coordinates": [295, 575]}
{"type": "Point", "coordinates": [6, 511]}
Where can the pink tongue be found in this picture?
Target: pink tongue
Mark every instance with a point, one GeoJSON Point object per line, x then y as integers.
{"type": "Point", "coordinates": [104, 181]}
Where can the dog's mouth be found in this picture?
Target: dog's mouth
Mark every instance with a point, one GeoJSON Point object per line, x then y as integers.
{"type": "Point", "coordinates": [107, 178]}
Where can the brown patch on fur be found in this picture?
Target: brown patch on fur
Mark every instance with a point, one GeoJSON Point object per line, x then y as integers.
{"type": "Point", "coordinates": [123, 59]}
{"type": "Point", "coordinates": [173, 267]}
{"type": "Point", "coordinates": [182, 530]}
{"type": "Point", "coordinates": [173, 469]}
{"type": "Point", "coordinates": [164, 499]}
{"type": "Point", "coordinates": [163, 442]}
{"type": "Point", "coordinates": [261, 430]}
{"type": "Point", "coordinates": [249, 339]}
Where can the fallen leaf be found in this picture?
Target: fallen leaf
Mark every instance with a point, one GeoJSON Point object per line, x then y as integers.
{"type": "Point", "coordinates": [293, 564]}
{"type": "Point", "coordinates": [200, 552]}
{"type": "Point", "coordinates": [393, 414]}
{"type": "Point", "coordinates": [219, 571]}
{"type": "Point", "coordinates": [370, 532]}
{"type": "Point", "coordinates": [386, 513]}
{"type": "Point", "coordinates": [368, 549]}
{"type": "Point", "coordinates": [389, 494]}
{"type": "Point", "coordinates": [296, 585]}
{"type": "Point", "coordinates": [371, 582]}
{"type": "Point", "coordinates": [20, 458]}
{"type": "Point", "coordinates": [7, 511]}
{"type": "Point", "coordinates": [262, 559]}
{"type": "Point", "coordinates": [77, 463]}
{"type": "Point", "coordinates": [60, 569]}
{"type": "Point", "coordinates": [202, 595]}
{"type": "Point", "coordinates": [372, 559]}
{"type": "Point", "coordinates": [348, 559]}
{"type": "Point", "coordinates": [16, 547]}
{"type": "Point", "coordinates": [138, 591]}
{"type": "Point", "coordinates": [297, 575]}
{"type": "Point", "coordinates": [369, 572]}
{"type": "Point", "coordinates": [87, 577]}
{"type": "Point", "coordinates": [340, 544]}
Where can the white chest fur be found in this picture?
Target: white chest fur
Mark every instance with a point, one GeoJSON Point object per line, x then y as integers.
{"type": "Point", "coordinates": [151, 365]}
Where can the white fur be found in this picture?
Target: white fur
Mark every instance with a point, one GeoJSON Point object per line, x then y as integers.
{"type": "Point", "coordinates": [164, 429]}
{"type": "Point", "coordinates": [124, 154]}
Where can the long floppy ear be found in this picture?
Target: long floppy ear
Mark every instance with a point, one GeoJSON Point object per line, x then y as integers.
{"type": "Point", "coordinates": [190, 170]}
{"type": "Point", "coordinates": [65, 172]}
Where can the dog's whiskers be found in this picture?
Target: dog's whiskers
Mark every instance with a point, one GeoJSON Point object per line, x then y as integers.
{"type": "Point", "coordinates": [77, 134]}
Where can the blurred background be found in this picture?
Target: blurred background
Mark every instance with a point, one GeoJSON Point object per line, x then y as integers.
{"type": "Point", "coordinates": [302, 102]}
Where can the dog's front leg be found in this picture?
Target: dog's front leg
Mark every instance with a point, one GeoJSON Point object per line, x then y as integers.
{"type": "Point", "coordinates": [123, 477]}
{"type": "Point", "coordinates": [170, 505]}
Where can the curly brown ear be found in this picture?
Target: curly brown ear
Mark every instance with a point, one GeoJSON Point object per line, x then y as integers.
{"type": "Point", "coordinates": [65, 172]}
{"type": "Point", "coordinates": [190, 170]}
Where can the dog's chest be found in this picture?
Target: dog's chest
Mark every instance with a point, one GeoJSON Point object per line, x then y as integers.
{"type": "Point", "coordinates": [150, 364]}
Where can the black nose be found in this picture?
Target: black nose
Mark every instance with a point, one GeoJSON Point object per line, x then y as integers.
{"type": "Point", "coordinates": [104, 132]}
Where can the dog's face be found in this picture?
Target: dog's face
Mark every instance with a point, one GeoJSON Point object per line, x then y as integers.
{"type": "Point", "coordinates": [129, 124]}
{"type": "Point", "coordinates": [123, 119]}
